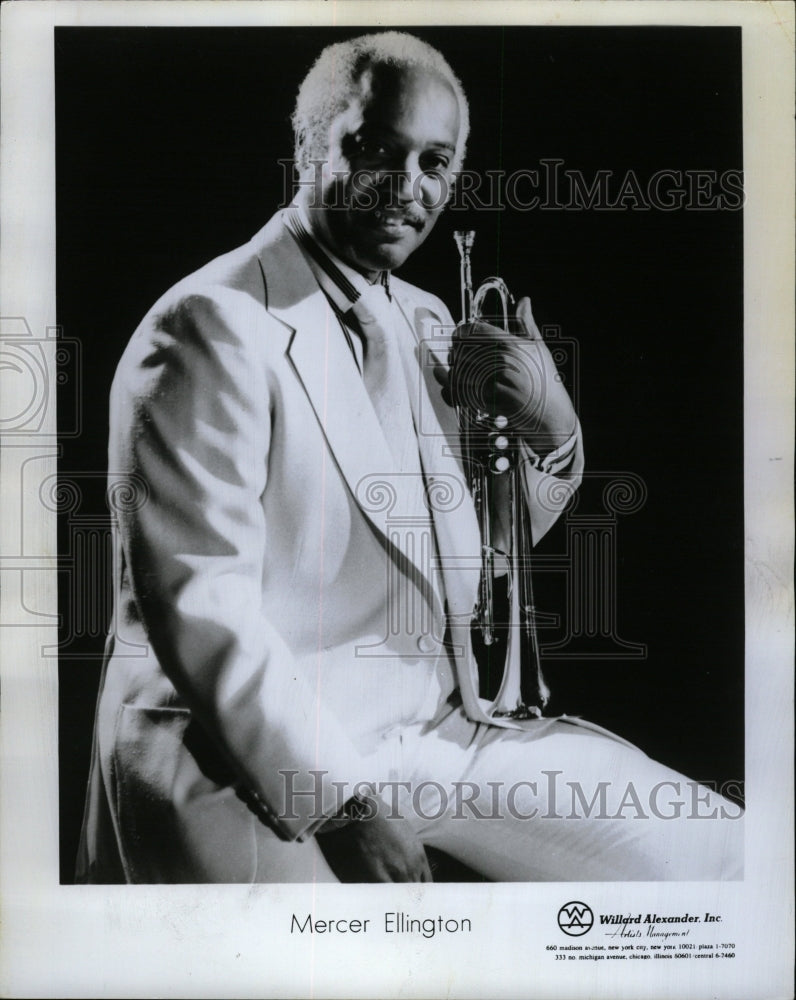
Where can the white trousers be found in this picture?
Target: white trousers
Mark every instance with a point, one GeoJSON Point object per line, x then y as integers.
{"type": "Point", "coordinates": [560, 801]}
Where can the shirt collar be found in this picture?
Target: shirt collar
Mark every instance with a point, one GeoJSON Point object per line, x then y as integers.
{"type": "Point", "coordinates": [341, 283]}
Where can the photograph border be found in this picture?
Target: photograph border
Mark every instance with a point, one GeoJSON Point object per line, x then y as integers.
{"type": "Point", "coordinates": [84, 940]}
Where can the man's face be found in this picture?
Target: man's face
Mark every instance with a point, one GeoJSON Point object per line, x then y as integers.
{"type": "Point", "coordinates": [387, 172]}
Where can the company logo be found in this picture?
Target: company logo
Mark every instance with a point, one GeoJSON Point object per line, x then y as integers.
{"type": "Point", "coordinates": [575, 918]}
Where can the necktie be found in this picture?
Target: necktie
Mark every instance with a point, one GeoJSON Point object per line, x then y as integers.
{"type": "Point", "coordinates": [384, 378]}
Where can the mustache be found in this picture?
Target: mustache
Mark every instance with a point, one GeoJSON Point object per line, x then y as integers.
{"type": "Point", "coordinates": [382, 201]}
{"type": "Point", "coordinates": [408, 215]}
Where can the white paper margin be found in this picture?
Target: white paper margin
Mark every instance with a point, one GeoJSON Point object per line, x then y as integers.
{"type": "Point", "coordinates": [216, 941]}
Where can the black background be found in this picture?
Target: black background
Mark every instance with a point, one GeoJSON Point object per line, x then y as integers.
{"type": "Point", "coordinates": [167, 143]}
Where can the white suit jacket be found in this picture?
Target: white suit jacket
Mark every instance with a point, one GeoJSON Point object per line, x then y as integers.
{"type": "Point", "coordinates": [260, 548]}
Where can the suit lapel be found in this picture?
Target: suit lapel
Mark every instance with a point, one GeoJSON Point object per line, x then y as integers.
{"type": "Point", "coordinates": [326, 368]}
{"type": "Point", "coordinates": [455, 523]}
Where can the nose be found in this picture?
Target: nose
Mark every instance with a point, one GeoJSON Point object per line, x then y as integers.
{"type": "Point", "coordinates": [406, 180]}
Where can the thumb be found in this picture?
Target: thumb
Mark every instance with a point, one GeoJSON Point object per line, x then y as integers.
{"type": "Point", "coordinates": [442, 375]}
{"type": "Point", "coordinates": [525, 316]}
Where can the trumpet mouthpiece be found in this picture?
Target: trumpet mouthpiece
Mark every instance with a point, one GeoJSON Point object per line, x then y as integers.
{"type": "Point", "coordinates": [464, 239]}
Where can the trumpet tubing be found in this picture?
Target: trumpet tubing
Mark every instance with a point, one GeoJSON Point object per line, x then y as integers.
{"type": "Point", "coordinates": [490, 452]}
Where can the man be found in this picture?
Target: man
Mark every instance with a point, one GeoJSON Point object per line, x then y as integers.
{"type": "Point", "coordinates": [284, 414]}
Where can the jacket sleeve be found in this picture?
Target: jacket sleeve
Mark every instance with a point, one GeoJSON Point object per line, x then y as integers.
{"type": "Point", "coordinates": [548, 493]}
{"type": "Point", "coordinates": [191, 414]}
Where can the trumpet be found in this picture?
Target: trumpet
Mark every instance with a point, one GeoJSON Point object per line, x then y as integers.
{"type": "Point", "coordinates": [490, 453]}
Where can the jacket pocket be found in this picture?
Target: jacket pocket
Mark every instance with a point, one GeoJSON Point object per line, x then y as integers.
{"type": "Point", "coordinates": [175, 824]}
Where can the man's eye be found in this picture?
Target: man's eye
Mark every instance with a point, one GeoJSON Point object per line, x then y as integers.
{"type": "Point", "coordinates": [435, 163]}
{"type": "Point", "coordinates": [373, 149]}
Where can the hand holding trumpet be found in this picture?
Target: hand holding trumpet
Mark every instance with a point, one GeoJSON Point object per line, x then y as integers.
{"type": "Point", "coordinates": [510, 374]}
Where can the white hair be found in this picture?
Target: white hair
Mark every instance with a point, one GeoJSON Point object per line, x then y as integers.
{"type": "Point", "coordinates": [333, 81]}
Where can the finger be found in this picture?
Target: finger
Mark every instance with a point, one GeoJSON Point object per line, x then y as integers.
{"type": "Point", "coordinates": [379, 873]}
{"type": "Point", "coordinates": [477, 331]}
{"type": "Point", "coordinates": [483, 331]}
{"type": "Point", "coordinates": [525, 316]}
{"type": "Point", "coordinates": [443, 377]}
{"type": "Point", "coordinates": [417, 873]}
